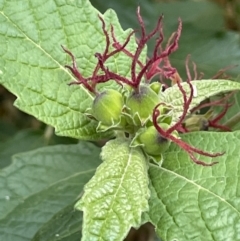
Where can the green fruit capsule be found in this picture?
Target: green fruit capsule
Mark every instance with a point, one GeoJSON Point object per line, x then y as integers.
{"type": "Point", "coordinates": [107, 107]}
{"type": "Point", "coordinates": [154, 143]}
{"type": "Point", "coordinates": [142, 102]}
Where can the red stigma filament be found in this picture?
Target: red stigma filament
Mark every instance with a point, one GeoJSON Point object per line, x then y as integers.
{"type": "Point", "coordinates": [147, 70]}
{"type": "Point", "coordinates": [168, 133]}
{"type": "Point", "coordinates": [157, 64]}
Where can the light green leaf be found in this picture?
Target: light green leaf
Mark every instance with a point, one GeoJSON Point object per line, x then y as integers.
{"type": "Point", "coordinates": [116, 196]}
{"type": "Point", "coordinates": [232, 117]}
{"type": "Point", "coordinates": [40, 184]}
{"type": "Point", "coordinates": [32, 60]}
{"type": "Point", "coordinates": [191, 202]}
{"type": "Point", "coordinates": [203, 89]}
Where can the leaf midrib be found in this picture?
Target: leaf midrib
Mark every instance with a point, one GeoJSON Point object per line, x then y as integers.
{"type": "Point", "coordinates": [120, 185]}
{"type": "Point", "coordinates": [198, 186]}
{"type": "Point", "coordinates": [43, 50]}
{"type": "Point", "coordinates": [22, 199]}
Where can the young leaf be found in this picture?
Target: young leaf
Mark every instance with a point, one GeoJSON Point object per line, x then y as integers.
{"type": "Point", "coordinates": [232, 117]}
{"type": "Point", "coordinates": [39, 184]}
{"type": "Point", "coordinates": [191, 202]}
{"type": "Point", "coordinates": [32, 60]}
{"type": "Point", "coordinates": [116, 196]}
{"type": "Point", "coordinates": [203, 89]}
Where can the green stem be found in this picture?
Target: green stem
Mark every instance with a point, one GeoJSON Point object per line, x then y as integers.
{"type": "Point", "coordinates": [48, 133]}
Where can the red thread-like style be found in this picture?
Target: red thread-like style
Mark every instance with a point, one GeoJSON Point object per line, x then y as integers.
{"type": "Point", "coordinates": [157, 64]}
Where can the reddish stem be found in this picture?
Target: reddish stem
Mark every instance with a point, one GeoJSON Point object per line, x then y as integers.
{"type": "Point", "coordinates": [188, 148]}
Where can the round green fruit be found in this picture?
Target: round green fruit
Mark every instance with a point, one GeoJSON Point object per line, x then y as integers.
{"type": "Point", "coordinates": [142, 102]}
{"type": "Point", "coordinates": [154, 143]}
{"type": "Point", "coordinates": [107, 107]}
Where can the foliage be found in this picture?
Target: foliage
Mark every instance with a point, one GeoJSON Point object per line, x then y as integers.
{"type": "Point", "coordinates": [164, 161]}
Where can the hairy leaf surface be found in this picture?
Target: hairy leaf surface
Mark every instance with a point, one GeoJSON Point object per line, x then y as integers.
{"type": "Point", "coordinates": [116, 196]}
{"type": "Point", "coordinates": [202, 89]}
{"type": "Point", "coordinates": [32, 60]}
{"type": "Point", "coordinates": [191, 202]}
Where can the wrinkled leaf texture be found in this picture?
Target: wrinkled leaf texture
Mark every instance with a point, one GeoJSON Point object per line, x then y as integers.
{"type": "Point", "coordinates": [192, 202]}
{"type": "Point", "coordinates": [32, 60]}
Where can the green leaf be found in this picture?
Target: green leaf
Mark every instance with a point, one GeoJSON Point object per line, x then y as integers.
{"type": "Point", "coordinates": [64, 226]}
{"type": "Point", "coordinates": [40, 184]}
{"type": "Point", "coordinates": [32, 61]}
{"type": "Point", "coordinates": [232, 117]}
{"type": "Point", "coordinates": [27, 140]}
{"type": "Point", "coordinates": [191, 202]}
{"type": "Point", "coordinates": [7, 130]}
{"type": "Point", "coordinates": [116, 196]}
{"type": "Point", "coordinates": [203, 89]}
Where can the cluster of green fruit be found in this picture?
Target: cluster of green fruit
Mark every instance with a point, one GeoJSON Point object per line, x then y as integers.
{"type": "Point", "coordinates": [131, 111]}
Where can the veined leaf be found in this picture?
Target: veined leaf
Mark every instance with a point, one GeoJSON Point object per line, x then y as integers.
{"type": "Point", "coordinates": [191, 202]}
{"type": "Point", "coordinates": [41, 183]}
{"type": "Point", "coordinates": [32, 60]}
{"type": "Point", "coordinates": [63, 226]}
{"type": "Point", "coordinates": [116, 196]}
{"type": "Point", "coordinates": [232, 117]}
{"type": "Point", "coordinates": [203, 89]}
